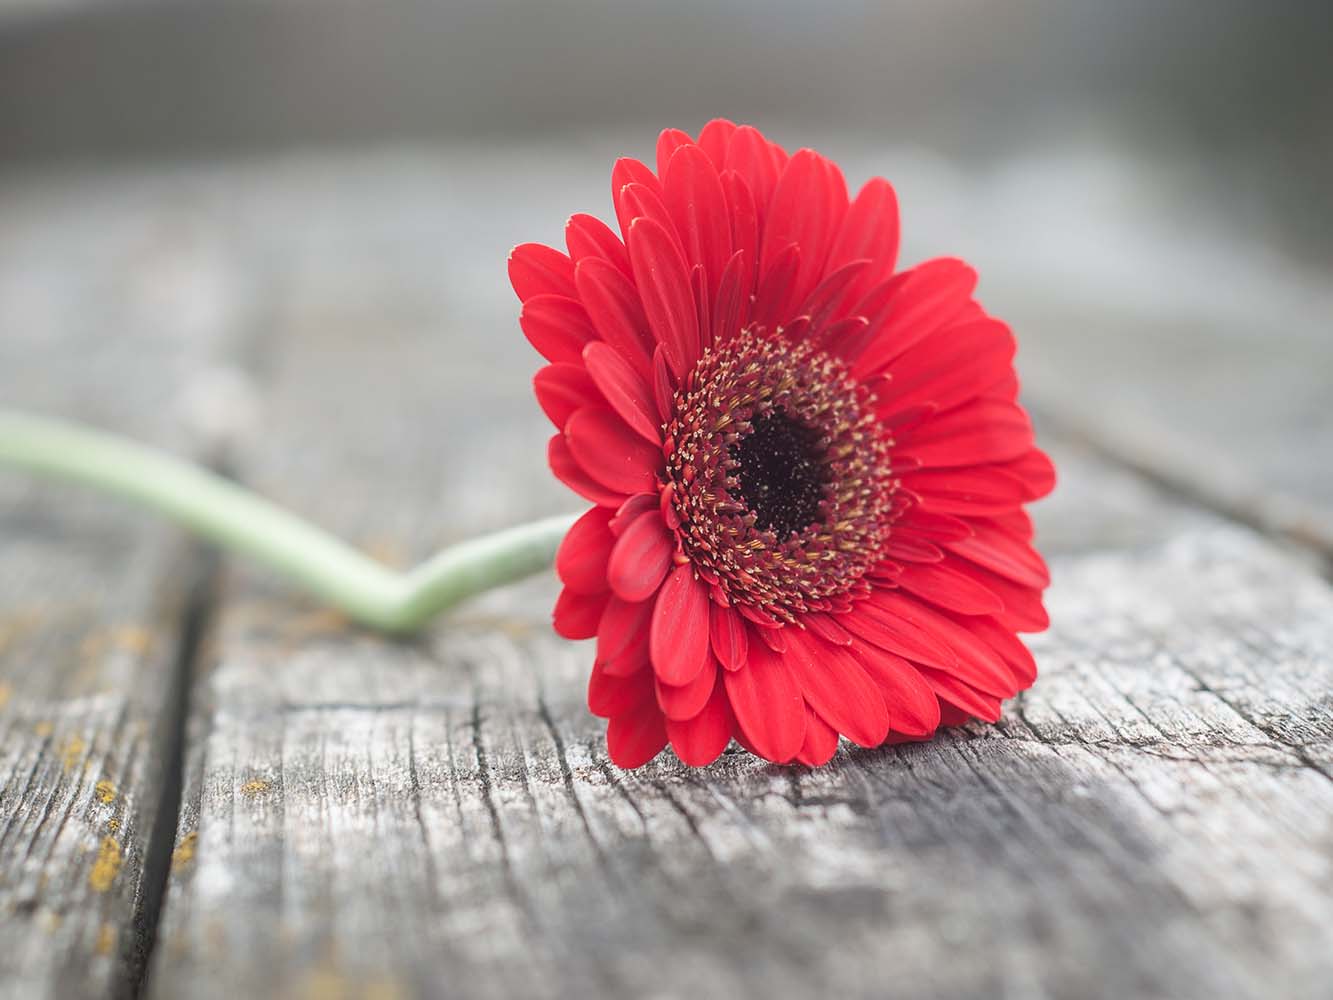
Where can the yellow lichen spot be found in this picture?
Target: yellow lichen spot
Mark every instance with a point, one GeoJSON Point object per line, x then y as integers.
{"type": "Point", "coordinates": [6, 692]}
{"type": "Point", "coordinates": [324, 984]}
{"type": "Point", "coordinates": [106, 940]}
{"type": "Point", "coordinates": [255, 787]}
{"type": "Point", "coordinates": [105, 792]}
{"type": "Point", "coordinates": [107, 865]}
{"type": "Point", "coordinates": [383, 989]}
{"type": "Point", "coordinates": [44, 729]}
{"type": "Point", "coordinates": [315, 624]}
{"type": "Point", "coordinates": [132, 639]}
{"type": "Point", "coordinates": [388, 551]}
{"type": "Point", "coordinates": [72, 751]}
{"type": "Point", "coordinates": [113, 825]}
{"type": "Point", "coordinates": [184, 852]}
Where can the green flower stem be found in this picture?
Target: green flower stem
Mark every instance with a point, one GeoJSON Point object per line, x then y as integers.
{"type": "Point", "coordinates": [238, 520]}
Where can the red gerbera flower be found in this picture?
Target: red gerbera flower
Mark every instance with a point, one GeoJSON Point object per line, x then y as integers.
{"type": "Point", "coordinates": [808, 470]}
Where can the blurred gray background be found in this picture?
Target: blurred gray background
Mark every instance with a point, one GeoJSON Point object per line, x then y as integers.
{"type": "Point", "coordinates": [1242, 88]}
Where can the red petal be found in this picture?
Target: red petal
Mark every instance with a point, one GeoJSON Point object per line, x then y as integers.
{"type": "Point", "coordinates": [611, 453]}
{"type": "Point", "coordinates": [635, 738]}
{"type": "Point", "coordinates": [913, 708]}
{"type": "Point", "coordinates": [613, 307]}
{"type": "Point", "coordinates": [561, 389]}
{"type": "Point", "coordinates": [827, 628]}
{"type": "Point", "coordinates": [744, 236]}
{"type": "Point", "coordinates": [838, 688]}
{"type": "Point", "coordinates": [678, 641]}
{"type": "Point", "coordinates": [936, 527]}
{"type": "Point", "coordinates": [1005, 390]}
{"type": "Point", "coordinates": [703, 302]}
{"type": "Point", "coordinates": [728, 636]}
{"type": "Point", "coordinates": [571, 473]}
{"type": "Point", "coordinates": [668, 141]}
{"type": "Point", "coordinates": [624, 388]}
{"type": "Point", "coordinates": [629, 511]}
{"type": "Point", "coordinates": [687, 700]}
{"type": "Point", "coordinates": [622, 636]}
{"type": "Point", "coordinates": [640, 559]}
{"type": "Point", "coordinates": [774, 638]}
{"type": "Point", "coordinates": [535, 269]}
{"type": "Point", "coordinates": [580, 561]}
{"type": "Point", "coordinates": [870, 231]}
{"type": "Point", "coordinates": [978, 491]}
{"type": "Point", "coordinates": [826, 300]}
{"type": "Point", "coordinates": [952, 715]}
{"type": "Point", "coordinates": [948, 587]}
{"type": "Point", "coordinates": [883, 621]}
{"type": "Point", "coordinates": [929, 297]}
{"type": "Point", "coordinates": [751, 155]}
{"type": "Point", "coordinates": [576, 615]}
{"type": "Point", "coordinates": [821, 741]}
{"type": "Point", "coordinates": [776, 298]}
{"type": "Point", "coordinates": [732, 301]}
{"type": "Point", "coordinates": [701, 739]}
{"type": "Point", "coordinates": [976, 433]}
{"type": "Point", "coordinates": [954, 691]}
{"type": "Point", "coordinates": [714, 139]}
{"type": "Point", "coordinates": [1023, 609]}
{"type": "Point", "coordinates": [589, 236]}
{"type": "Point", "coordinates": [698, 207]}
{"type": "Point", "coordinates": [905, 547]}
{"type": "Point", "coordinates": [641, 202]}
{"type": "Point", "coordinates": [557, 327]}
{"type": "Point", "coordinates": [609, 695]}
{"type": "Point", "coordinates": [976, 662]}
{"type": "Point", "coordinates": [664, 287]}
{"type": "Point", "coordinates": [949, 367]}
{"type": "Point", "coordinates": [1036, 472]}
{"type": "Point", "coordinates": [664, 389]}
{"type": "Point", "coordinates": [629, 171]}
{"type": "Point", "coordinates": [766, 700]}
{"type": "Point", "coordinates": [1000, 551]}
{"type": "Point", "coordinates": [1009, 646]}
{"type": "Point", "coordinates": [807, 208]}
{"type": "Point", "coordinates": [1016, 522]}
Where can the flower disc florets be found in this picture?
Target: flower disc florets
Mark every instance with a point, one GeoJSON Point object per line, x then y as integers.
{"type": "Point", "coordinates": [780, 475]}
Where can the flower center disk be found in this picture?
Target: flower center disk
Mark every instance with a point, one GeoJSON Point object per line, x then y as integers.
{"type": "Point", "coordinates": [780, 476]}
{"type": "Point", "coordinates": [781, 471]}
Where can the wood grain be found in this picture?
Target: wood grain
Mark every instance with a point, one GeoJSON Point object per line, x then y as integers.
{"type": "Point", "coordinates": [93, 597]}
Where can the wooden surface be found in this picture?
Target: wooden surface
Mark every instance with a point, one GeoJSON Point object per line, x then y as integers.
{"type": "Point", "coordinates": [365, 818]}
{"type": "Point", "coordinates": [96, 603]}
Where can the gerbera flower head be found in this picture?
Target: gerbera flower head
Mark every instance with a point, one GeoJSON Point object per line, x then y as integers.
{"type": "Point", "coordinates": [807, 467]}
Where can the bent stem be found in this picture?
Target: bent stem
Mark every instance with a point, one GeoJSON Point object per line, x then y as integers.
{"type": "Point", "coordinates": [238, 520]}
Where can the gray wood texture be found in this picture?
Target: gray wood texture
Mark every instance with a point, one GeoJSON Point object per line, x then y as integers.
{"type": "Point", "coordinates": [367, 818]}
{"type": "Point", "coordinates": [94, 599]}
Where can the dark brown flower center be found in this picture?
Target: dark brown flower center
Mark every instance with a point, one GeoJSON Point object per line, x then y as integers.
{"type": "Point", "coordinates": [782, 473]}
{"type": "Point", "coordinates": [779, 475]}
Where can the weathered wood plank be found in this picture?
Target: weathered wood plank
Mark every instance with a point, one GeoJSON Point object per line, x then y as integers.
{"type": "Point", "coordinates": [101, 293]}
{"type": "Point", "coordinates": [367, 817]}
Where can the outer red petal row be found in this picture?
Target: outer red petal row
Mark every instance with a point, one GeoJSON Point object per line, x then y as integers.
{"type": "Point", "coordinates": [664, 288]}
{"type": "Point", "coordinates": [770, 712]}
